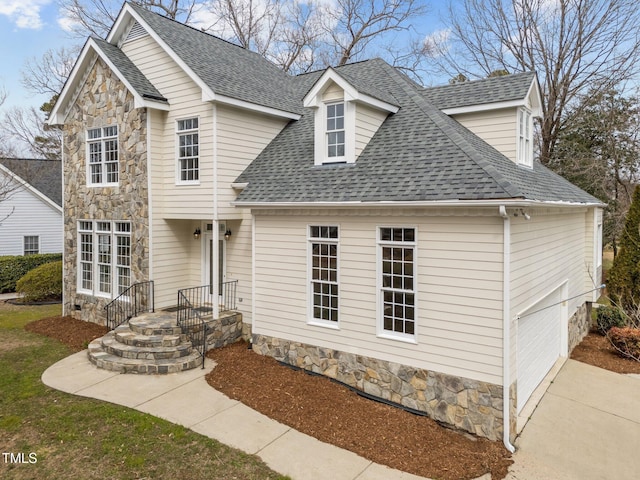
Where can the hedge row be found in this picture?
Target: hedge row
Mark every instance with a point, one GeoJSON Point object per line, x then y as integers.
{"type": "Point", "coordinates": [13, 268]}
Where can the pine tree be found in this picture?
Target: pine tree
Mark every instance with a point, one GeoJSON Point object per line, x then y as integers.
{"type": "Point", "coordinates": [623, 280]}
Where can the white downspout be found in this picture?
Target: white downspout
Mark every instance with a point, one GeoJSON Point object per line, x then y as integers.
{"type": "Point", "coordinates": [506, 329]}
{"type": "Point", "coordinates": [216, 221]}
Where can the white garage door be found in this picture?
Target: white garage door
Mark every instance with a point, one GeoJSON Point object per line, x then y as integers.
{"type": "Point", "coordinates": [539, 337]}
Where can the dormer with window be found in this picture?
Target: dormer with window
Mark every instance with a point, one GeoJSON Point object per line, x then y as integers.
{"type": "Point", "coordinates": [345, 118]}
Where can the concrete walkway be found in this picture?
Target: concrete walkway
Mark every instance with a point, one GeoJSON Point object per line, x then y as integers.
{"type": "Point", "coordinates": [586, 427]}
{"type": "Point", "coordinates": [187, 399]}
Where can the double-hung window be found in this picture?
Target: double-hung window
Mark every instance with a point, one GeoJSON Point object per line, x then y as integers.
{"type": "Point", "coordinates": [104, 257]}
{"type": "Point", "coordinates": [525, 137]}
{"type": "Point", "coordinates": [102, 144]}
{"type": "Point", "coordinates": [31, 245]}
{"type": "Point", "coordinates": [335, 131]}
{"type": "Point", "coordinates": [397, 282]}
{"type": "Point", "coordinates": [323, 275]}
{"type": "Point", "coordinates": [188, 151]}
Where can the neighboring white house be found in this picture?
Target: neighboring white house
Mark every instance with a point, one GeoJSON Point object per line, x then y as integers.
{"type": "Point", "coordinates": [31, 210]}
{"type": "Point", "coordinates": [400, 239]}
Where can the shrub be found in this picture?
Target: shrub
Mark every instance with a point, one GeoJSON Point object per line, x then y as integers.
{"type": "Point", "coordinates": [41, 283]}
{"type": "Point", "coordinates": [607, 317]}
{"type": "Point", "coordinates": [627, 341]}
{"type": "Point", "coordinates": [13, 268]}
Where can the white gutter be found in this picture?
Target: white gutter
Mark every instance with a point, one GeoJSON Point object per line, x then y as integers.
{"type": "Point", "coordinates": [506, 328]}
{"type": "Point", "coordinates": [436, 203]}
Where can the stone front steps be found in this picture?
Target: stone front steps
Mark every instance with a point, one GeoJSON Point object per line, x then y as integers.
{"type": "Point", "coordinates": [151, 343]}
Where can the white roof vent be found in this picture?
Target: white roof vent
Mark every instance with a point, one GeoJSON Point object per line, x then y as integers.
{"type": "Point", "coordinates": [136, 31]}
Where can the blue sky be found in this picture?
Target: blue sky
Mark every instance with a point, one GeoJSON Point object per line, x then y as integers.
{"type": "Point", "coordinates": [28, 28]}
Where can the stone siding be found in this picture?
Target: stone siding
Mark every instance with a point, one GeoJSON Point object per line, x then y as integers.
{"type": "Point", "coordinates": [579, 325]}
{"type": "Point", "coordinates": [224, 331]}
{"type": "Point", "coordinates": [103, 101]}
{"type": "Point", "coordinates": [470, 405]}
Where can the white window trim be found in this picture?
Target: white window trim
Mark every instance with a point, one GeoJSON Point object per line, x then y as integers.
{"type": "Point", "coordinates": [95, 271]}
{"type": "Point", "coordinates": [524, 142]}
{"type": "Point", "coordinates": [102, 139]}
{"type": "Point", "coordinates": [311, 320]}
{"type": "Point", "coordinates": [321, 153]}
{"type": "Point", "coordinates": [381, 332]}
{"type": "Point", "coordinates": [24, 237]}
{"type": "Point", "coordinates": [179, 181]}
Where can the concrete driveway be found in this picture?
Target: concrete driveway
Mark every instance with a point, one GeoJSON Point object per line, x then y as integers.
{"type": "Point", "coordinates": [587, 426]}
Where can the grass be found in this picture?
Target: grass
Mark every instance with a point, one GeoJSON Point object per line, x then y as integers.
{"type": "Point", "coordinates": [74, 437]}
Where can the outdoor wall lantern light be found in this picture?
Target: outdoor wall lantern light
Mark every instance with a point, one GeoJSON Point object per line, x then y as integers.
{"type": "Point", "coordinates": [227, 234]}
{"type": "Point", "coordinates": [196, 233]}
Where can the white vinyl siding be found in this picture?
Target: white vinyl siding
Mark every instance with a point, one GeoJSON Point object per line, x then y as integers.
{"type": "Point", "coordinates": [368, 121]}
{"type": "Point", "coordinates": [546, 251]}
{"type": "Point", "coordinates": [185, 98]}
{"type": "Point", "coordinates": [458, 285]}
{"type": "Point", "coordinates": [496, 127]}
{"type": "Point", "coordinates": [240, 137]}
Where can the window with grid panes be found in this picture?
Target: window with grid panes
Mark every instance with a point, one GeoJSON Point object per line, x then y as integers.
{"type": "Point", "coordinates": [397, 280]}
{"type": "Point", "coordinates": [31, 245]}
{"type": "Point", "coordinates": [335, 130]}
{"type": "Point", "coordinates": [102, 145]}
{"type": "Point", "coordinates": [104, 257]}
{"type": "Point", "coordinates": [324, 272]}
{"type": "Point", "coordinates": [188, 151]}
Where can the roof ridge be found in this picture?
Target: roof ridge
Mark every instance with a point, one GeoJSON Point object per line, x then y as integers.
{"type": "Point", "coordinates": [438, 118]}
{"type": "Point", "coordinates": [479, 80]}
{"type": "Point", "coordinates": [210, 35]}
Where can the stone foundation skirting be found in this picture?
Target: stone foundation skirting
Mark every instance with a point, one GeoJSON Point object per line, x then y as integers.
{"type": "Point", "coordinates": [470, 405]}
{"type": "Point", "coordinates": [224, 331]}
{"type": "Point", "coordinates": [579, 325]}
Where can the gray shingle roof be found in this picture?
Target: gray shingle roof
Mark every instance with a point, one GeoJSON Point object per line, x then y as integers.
{"type": "Point", "coordinates": [43, 175]}
{"type": "Point", "coordinates": [418, 154]}
{"type": "Point", "coordinates": [476, 92]}
{"type": "Point", "coordinates": [226, 68]}
{"type": "Point", "coordinates": [126, 67]}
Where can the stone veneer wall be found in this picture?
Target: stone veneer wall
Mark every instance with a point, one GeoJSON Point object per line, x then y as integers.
{"type": "Point", "coordinates": [103, 101]}
{"type": "Point", "coordinates": [579, 325]}
{"type": "Point", "coordinates": [467, 404]}
{"type": "Point", "coordinates": [225, 330]}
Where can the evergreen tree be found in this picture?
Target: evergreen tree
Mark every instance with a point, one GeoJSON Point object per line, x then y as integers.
{"type": "Point", "coordinates": [623, 280]}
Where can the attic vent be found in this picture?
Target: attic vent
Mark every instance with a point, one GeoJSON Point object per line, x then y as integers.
{"type": "Point", "coordinates": [136, 31]}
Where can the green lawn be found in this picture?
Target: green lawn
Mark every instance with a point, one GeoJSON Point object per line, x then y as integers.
{"type": "Point", "coordinates": [79, 438]}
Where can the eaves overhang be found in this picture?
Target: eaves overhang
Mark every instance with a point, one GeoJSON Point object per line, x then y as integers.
{"type": "Point", "coordinates": [88, 56]}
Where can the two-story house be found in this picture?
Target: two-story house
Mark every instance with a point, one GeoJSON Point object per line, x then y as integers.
{"type": "Point", "coordinates": [400, 239]}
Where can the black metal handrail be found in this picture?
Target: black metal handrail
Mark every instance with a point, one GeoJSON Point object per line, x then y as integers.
{"type": "Point", "coordinates": [196, 303]}
{"type": "Point", "coordinates": [191, 322]}
{"type": "Point", "coordinates": [136, 299]}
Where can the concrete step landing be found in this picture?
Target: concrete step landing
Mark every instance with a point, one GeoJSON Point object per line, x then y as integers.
{"type": "Point", "coordinates": [151, 343]}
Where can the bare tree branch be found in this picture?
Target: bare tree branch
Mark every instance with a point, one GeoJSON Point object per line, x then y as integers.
{"type": "Point", "coordinates": [572, 44]}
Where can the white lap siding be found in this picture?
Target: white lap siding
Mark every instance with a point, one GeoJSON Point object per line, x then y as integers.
{"type": "Point", "coordinates": [546, 251]}
{"type": "Point", "coordinates": [459, 288]}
